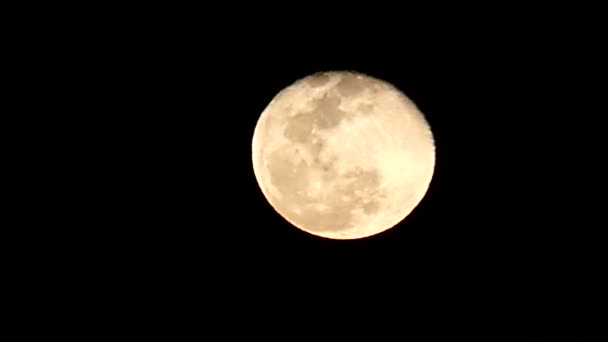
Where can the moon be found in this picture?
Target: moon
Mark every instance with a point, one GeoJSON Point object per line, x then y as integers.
{"type": "Point", "coordinates": [343, 155]}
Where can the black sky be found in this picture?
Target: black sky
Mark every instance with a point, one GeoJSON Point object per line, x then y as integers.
{"type": "Point", "coordinates": [144, 114]}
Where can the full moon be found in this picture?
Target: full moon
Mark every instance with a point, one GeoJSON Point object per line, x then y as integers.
{"type": "Point", "coordinates": [343, 155]}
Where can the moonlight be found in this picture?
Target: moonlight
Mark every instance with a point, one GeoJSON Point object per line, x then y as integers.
{"type": "Point", "coordinates": [343, 155]}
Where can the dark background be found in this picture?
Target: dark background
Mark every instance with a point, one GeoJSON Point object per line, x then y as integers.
{"type": "Point", "coordinates": [140, 119]}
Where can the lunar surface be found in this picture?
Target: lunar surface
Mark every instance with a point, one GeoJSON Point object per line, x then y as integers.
{"type": "Point", "coordinates": [343, 155]}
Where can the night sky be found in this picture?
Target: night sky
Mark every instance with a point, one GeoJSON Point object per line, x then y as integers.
{"type": "Point", "coordinates": [142, 117]}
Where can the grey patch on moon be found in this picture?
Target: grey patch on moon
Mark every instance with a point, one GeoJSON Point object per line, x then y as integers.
{"type": "Point", "coordinates": [299, 128]}
{"type": "Point", "coordinates": [305, 128]}
{"type": "Point", "coordinates": [365, 108]}
{"type": "Point", "coordinates": [356, 190]}
{"type": "Point", "coordinates": [325, 114]}
{"type": "Point", "coordinates": [318, 80]}
{"type": "Point", "coordinates": [351, 85]}
{"type": "Point", "coordinates": [287, 176]}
